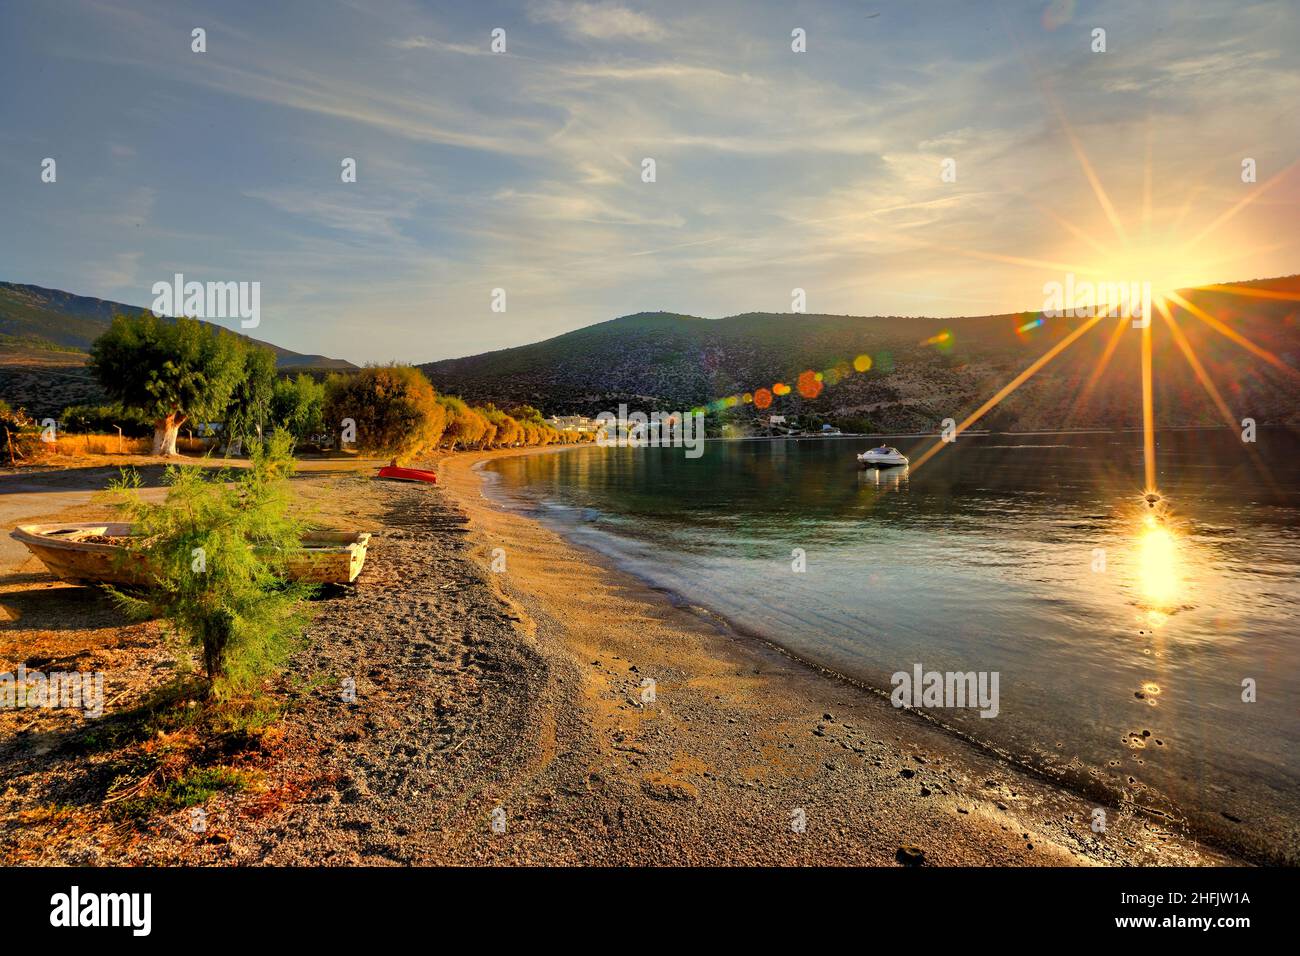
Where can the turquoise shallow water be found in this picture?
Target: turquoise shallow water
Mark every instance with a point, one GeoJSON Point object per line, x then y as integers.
{"type": "Point", "coordinates": [1121, 644]}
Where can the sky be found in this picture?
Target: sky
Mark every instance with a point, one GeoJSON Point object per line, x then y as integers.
{"type": "Point", "coordinates": [823, 170]}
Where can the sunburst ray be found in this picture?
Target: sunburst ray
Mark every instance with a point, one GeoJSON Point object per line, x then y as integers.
{"type": "Point", "coordinates": [1102, 363]}
{"type": "Point", "coordinates": [1238, 206]}
{"type": "Point", "coordinates": [1010, 387]}
{"type": "Point", "coordinates": [1233, 334]}
{"type": "Point", "coordinates": [1185, 346]}
{"type": "Point", "coordinates": [1252, 293]}
{"type": "Point", "coordinates": [1207, 383]}
{"type": "Point", "coordinates": [1148, 411]}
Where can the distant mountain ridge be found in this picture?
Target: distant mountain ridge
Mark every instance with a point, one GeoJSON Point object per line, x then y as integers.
{"type": "Point", "coordinates": [63, 318]}
{"type": "Point", "coordinates": [917, 376]}
{"type": "Point", "coordinates": [667, 361]}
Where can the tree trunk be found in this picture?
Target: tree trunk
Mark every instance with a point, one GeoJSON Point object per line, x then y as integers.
{"type": "Point", "coordinates": [165, 433]}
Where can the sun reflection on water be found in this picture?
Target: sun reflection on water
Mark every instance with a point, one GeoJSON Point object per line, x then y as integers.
{"type": "Point", "coordinates": [1157, 560]}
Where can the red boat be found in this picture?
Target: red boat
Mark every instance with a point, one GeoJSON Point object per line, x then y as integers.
{"type": "Point", "coordinates": [394, 473]}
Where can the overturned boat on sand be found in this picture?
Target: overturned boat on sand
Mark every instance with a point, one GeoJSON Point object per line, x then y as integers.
{"type": "Point", "coordinates": [396, 473]}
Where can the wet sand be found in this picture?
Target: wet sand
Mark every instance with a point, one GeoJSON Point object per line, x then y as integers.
{"type": "Point", "coordinates": [500, 718]}
{"type": "Point", "coordinates": [741, 736]}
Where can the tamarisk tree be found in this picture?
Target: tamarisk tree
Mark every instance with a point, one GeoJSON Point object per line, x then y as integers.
{"type": "Point", "coordinates": [218, 548]}
{"type": "Point", "coordinates": [395, 409]}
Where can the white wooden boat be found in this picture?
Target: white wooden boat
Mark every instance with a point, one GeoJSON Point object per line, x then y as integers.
{"type": "Point", "coordinates": [100, 553]}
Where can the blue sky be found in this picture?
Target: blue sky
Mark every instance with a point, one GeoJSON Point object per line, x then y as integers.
{"type": "Point", "coordinates": [775, 169]}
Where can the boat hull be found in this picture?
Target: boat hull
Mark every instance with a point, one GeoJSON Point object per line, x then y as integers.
{"type": "Point", "coordinates": [328, 557]}
{"type": "Point", "coordinates": [891, 461]}
{"type": "Point", "coordinates": [393, 473]}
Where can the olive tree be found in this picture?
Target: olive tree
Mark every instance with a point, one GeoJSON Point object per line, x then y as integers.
{"type": "Point", "coordinates": [171, 370]}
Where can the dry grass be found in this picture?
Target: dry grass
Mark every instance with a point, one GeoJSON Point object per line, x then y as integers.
{"type": "Point", "coordinates": [98, 445]}
{"type": "Point", "coordinates": [74, 445]}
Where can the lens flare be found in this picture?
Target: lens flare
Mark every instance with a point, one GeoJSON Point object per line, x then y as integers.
{"type": "Point", "coordinates": [809, 385]}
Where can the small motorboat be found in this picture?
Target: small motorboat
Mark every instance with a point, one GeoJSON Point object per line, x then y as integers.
{"type": "Point", "coordinates": [394, 473]}
{"type": "Point", "coordinates": [886, 456]}
{"type": "Point", "coordinates": [110, 552]}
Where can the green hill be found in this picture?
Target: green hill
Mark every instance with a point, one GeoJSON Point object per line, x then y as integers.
{"type": "Point", "coordinates": [44, 335]}
{"type": "Point", "coordinates": [665, 361]}
{"type": "Point", "coordinates": [62, 318]}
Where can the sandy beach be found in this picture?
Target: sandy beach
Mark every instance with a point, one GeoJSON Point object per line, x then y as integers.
{"type": "Point", "coordinates": [501, 717]}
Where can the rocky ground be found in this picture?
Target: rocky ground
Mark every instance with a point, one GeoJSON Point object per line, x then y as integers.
{"type": "Point", "coordinates": [501, 718]}
{"type": "Point", "coordinates": [428, 649]}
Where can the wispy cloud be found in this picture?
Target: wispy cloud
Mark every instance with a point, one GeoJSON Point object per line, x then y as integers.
{"type": "Point", "coordinates": [476, 170]}
{"type": "Point", "coordinates": [118, 272]}
{"type": "Point", "coordinates": [599, 21]}
{"type": "Point", "coordinates": [438, 46]}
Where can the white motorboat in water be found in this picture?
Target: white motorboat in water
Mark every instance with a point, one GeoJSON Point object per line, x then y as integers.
{"type": "Point", "coordinates": [885, 456]}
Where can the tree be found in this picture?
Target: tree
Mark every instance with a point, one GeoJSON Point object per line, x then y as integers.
{"type": "Point", "coordinates": [526, 413]}
{"type": "Point", "coordinates": [464, 425]}
{"type": "Point", "coordinates": [250, 401]}
{"type": "Point", "coordinates": [171, 370]}
{"type": "Point", "coordinates": [507, 431]}
{"type": "Point", "coordinates": [533, 426]}
{"type": "Point", "coordinates": [298, 405]}
{"type": "Point", "coordinates": [489, 436]}
{"type": "Point", "coordinates": [395, 409]}
{"type": "Point", "coordinates": [217, 548]}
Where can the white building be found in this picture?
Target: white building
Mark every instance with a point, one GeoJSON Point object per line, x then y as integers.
{"type": "Point", "coordinates": [572, 423]}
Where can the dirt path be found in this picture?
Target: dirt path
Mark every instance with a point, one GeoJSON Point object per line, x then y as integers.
{"type": "Point", "coordinates": [29, 498]}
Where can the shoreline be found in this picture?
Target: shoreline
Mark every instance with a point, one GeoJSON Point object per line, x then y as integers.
{"type": "Point", "coordinates": [491, 522]}
{"type": "Point", "coordinates": [1077, 784]}
{"type": "Point", "coordinates": [521, 691]}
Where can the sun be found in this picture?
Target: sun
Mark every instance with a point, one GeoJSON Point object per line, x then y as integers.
{"type": "Point", "coordinates": [1158, 267]}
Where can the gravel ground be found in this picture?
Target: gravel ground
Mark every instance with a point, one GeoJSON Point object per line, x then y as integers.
{"type": "Point", "coordinates": [498, 718]}
{"type": "Point", "coordinates": [444, 705]}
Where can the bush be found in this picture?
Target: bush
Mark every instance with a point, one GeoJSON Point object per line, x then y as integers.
{"type": "Point", "coordinates": [217, 547]}
{"type": "Point", "coordinates": [21, 434]}
{"type": "Point", "coordinates": [394, 407]}
{"type": "Point", "coordinates": [535, 429]}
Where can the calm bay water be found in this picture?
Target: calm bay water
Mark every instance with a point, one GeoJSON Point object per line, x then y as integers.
{"type": "Point", "coordinates": [1121, 669]}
